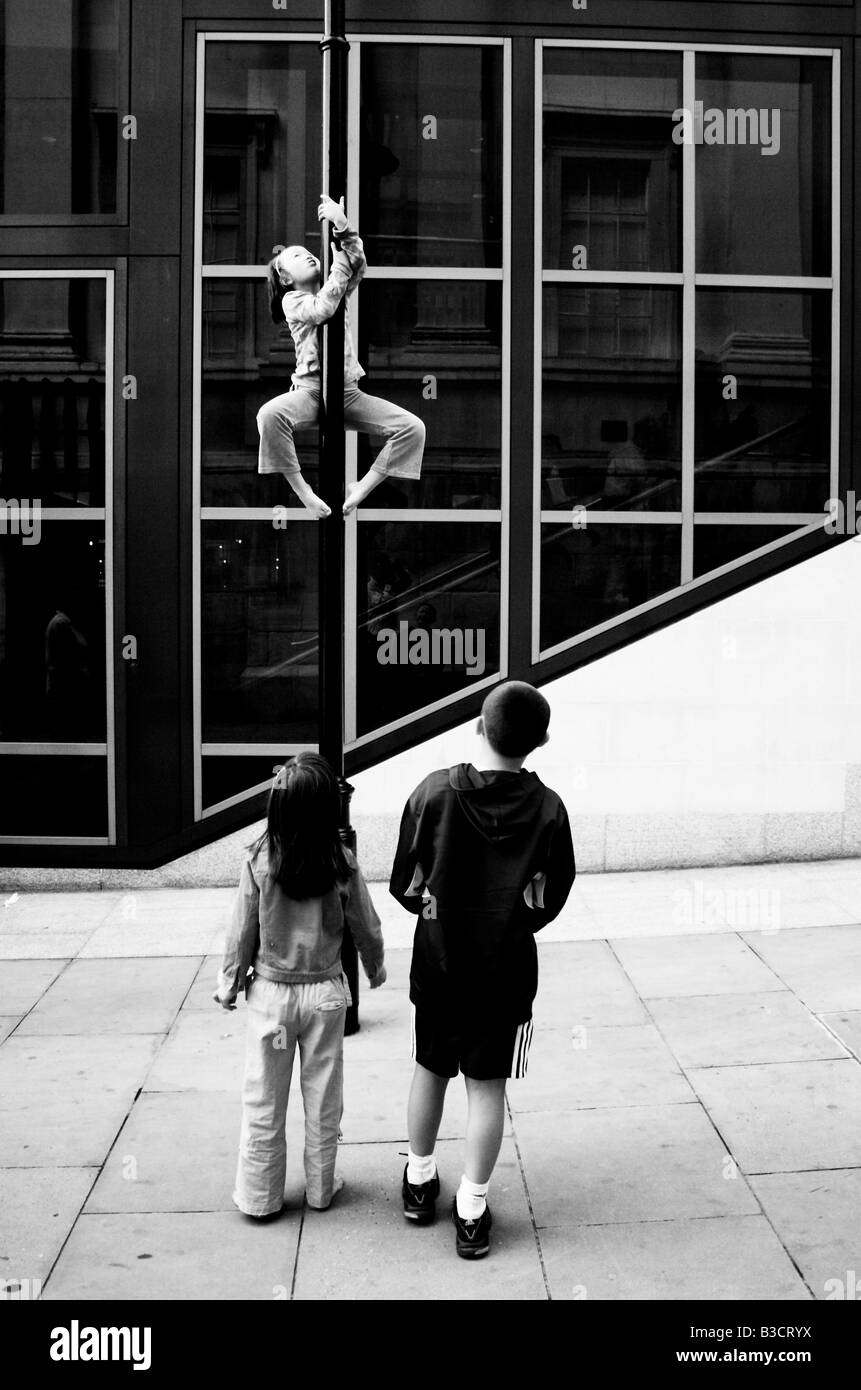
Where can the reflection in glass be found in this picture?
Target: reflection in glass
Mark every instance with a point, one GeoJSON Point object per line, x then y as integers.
{"type": "Point", "coordinates": [59, 107]}
{"type": "Point", "coordinates": [246, 361]}
{"type": "Point", "coordinates": [65, 797]}
{"type": "Point", "coordinates": [435, 347]}
{"type": "Point", "coordinates": [261, 166]}
{"type": "Point", "coordinates": [612, 171]}
{"type": "Point", "coordinates": [226, 777]}
{"type": "Point", "coordinates": [431, 154]}
{"type": "Point", "coordinates": [611, 398]}
{"type": "Point", "coordinates": [437, 580]}
{"type": "Point", "coordinates": [768, 449]}
{"type": "Point", "coordinates": [715, 546]}
{"type": "Point", "coordinates": [52, 633]}
{"type": "Point", "coordinates": [52, 391]}
{"type": "Point", "coordinates": [764, 191]}
{"type": "Point", "coordinates": [260, 632]}
{"type": "Point", "coordinates": [591, 576]}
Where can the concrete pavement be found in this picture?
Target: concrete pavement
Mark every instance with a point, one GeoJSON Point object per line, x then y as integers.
{"type": "Point", "coordinates": [690, 1127]}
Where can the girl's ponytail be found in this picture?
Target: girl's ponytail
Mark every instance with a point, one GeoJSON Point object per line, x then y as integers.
{"type": "Point", "coordinates": [276, 287]}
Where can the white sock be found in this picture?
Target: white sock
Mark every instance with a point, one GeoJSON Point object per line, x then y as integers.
{"type": "Point", "coordinates": [471, 1199]}
{"type": "Point", "coordinates": [420, 1169]}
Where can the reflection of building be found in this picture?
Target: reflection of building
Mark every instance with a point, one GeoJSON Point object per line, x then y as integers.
{"type": "Point", "coordinates": [624, 324]}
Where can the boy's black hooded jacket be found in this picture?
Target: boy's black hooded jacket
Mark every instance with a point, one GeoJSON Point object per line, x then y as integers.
{"type": "Point", "coordinates": [475, 841]}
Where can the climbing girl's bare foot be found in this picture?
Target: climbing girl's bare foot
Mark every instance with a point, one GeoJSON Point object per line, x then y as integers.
{"type": "Point", "coordinates": [317, 507]}
{"type": "Point", "coordinates": [353, 498]}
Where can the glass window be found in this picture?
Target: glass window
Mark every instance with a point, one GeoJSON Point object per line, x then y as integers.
{"type": "Point", "coordinates": [261, 166]}
{"type": "Point", "coordinates": [435, 347]}
{"type": "Point", "coordinates": [612, 171]}
{"type": "Point", "coordinates": [428, 614]}
{"type": "Point", "coordinates": [764, 164]}
{"type": "Point", "coordinates": [227, 777]}
{"type": "Point", "coordinates": [431, 154]}
{"type": "Point", "coordinates": [259, 640]}
{"type": "Point", "coordinates": [52, 391]}
{"type": "Point", "coordinates": [715, 546]}
{"type": "Point", "coordinates": [246, 361]}
{"type": "Point", "coordinates": [59, 98]}
{"type": "Point", "coordinates": [66, 797]}
{"type": "Point", "coordinates": [763, 400]}
{"type": "Point", "coordinates": [593, 575]}
{"type": "Point", "coordinates": [52, 631]}
{"type": "Point", "coordinates": [611, 404]}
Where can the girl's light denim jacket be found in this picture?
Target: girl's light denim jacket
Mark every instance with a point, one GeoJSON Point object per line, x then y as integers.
{"type": "Point", "coordinates": [304, 312]}
{"type": "Point", "coordinates": [293, 942]}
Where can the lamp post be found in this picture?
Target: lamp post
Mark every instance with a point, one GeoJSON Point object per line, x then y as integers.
{"type": "Point", "coordinates": [334, 48]}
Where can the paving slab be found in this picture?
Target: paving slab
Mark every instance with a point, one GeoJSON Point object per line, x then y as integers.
{"type": "Point", "coordinates": [40, 1206]}
{"type": "Point", "coordinates": [583, 985]}
{"type": "Point", "coordinates": [599, 1067]}
{"type": "Point", "coordinates": [847, 1026]}
{"type": "Point", "coordinates": [694, 965]}
{"type": "Point", "coordinates": [375, 1100]}
{"type": "Point", "coordinates": [156, 934]}
{"type": "Point", "coordinates": [818, 1218]}
{"type": "Point", "coordinates": [63, 1103]}
{"type": "Point", "coordinates": [176, 1256]}
{"type": "Point", "coordinates": [156, 1164]}
{"type": "Point", "coordinates": [730, 1029]}
{"type": "Point", "coordinates": [727, 1257]}
{"type": "Point", "coordinates": [786, 1116]}
{"type": "Point", "coordinates": [363, 1248]}
{"type": "Point", "coordinates": [203, 1052]}
{"type": "Point", "coordinates": [639, 1163]}
{"type": "Point", "coordinates": [49, 910]}
{"type": "Point", "coordinates": [822, 964]}
{"type": "Point", "coordinates": [23, 982]}
{"type": "Point", "coordinates": [113, 996]}
{"type": "Point", "coordinates": [7, 1025]}
{"type": "Point", "coordinates": [27, 945]}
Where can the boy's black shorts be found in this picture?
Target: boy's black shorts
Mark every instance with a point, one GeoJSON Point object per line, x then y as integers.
{"type": "Point", "coordinates": [485, 1052]}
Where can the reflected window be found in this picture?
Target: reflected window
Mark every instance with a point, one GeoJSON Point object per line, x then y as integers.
{"type": "Point", "coordinates": [52, 391]}
{"type": "Point", "coordinates": [764, 165]}
{"type": "Point", "coordinates": [261, 167]}
{"type": "Point", "coordinates": [612, 171]}
{"type": "Point", "coordinates": [52, 632]}
{"type": "Point", "coordinates": [431, 154]}
{"type": "Point", "coordinates": [592, 575]}
{"type": "Point", "coordinates": [428, 614]}
{"type": "Point", "coordinates": [611, 403]}
{"type": "Point", "coordinates": [435, 347]}
{"type": "Point", "coordinates": [715, 546]}
{"type": "Point", "coordinates": [763, 401]}
{"type": "Point", "coordinates": [224, 778]}
{"type": "Point", "coordinates": [65, 797]}
{"type": "Point", "coordinates": [260, 632]}
{"type": "Point", "coordinates": [59, 97]}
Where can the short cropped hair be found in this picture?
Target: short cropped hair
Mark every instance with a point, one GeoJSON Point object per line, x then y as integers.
{"type": "Point", "coordinates": [516, 717]}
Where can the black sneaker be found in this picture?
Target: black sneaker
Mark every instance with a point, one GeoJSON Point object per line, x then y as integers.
{"type": "Point", "coordinates": [472, 1238]}
{"type": "Point", "coordinates": [420, 1199]}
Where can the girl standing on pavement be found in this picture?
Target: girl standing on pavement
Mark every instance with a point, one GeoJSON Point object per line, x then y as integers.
{"type": "Point", "coordinates": [300, 886]}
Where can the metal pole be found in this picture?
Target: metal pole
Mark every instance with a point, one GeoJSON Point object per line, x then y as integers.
{"type": "Point", "coordinates": [334, 48]}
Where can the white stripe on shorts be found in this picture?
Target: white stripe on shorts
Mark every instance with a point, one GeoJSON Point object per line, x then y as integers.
{"type": "Point", "coordinates": [520, 1057]}
{"type": "Point", "coordinates": [413, 1031]}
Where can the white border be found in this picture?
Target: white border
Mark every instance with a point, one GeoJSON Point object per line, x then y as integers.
{"type": "Point", "coordinates": [690, 280]}
{"type": "Point", "coordinates": [107, 748]}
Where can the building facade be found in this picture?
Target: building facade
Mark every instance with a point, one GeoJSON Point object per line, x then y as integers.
{"type": "Point", "coordinates": [612, 265]}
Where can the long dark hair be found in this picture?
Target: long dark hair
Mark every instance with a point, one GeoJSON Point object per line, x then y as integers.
{"type": "Point", "coordinates": [306, 856]}
{"type": "Point", "coordinates": [276, 286]}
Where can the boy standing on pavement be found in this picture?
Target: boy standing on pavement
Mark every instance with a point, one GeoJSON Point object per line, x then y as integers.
{"type": "Point", "coordinates": [485, 857]}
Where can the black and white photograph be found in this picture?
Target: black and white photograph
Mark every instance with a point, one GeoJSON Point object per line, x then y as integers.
{"type": "Point", "coordinates": [430, 671]}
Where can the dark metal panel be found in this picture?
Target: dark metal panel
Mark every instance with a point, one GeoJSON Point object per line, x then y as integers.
{"type": "Point", "coordinates": [152, 542]}
{"type": "Point", "coordinates": [514, 15]}
{"type": "Point", "coordinates": [156, 103]}
{"type": "Point", "coordinates": [521, 328]}
{"type": "Point", "coordinates": [120, 517]}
